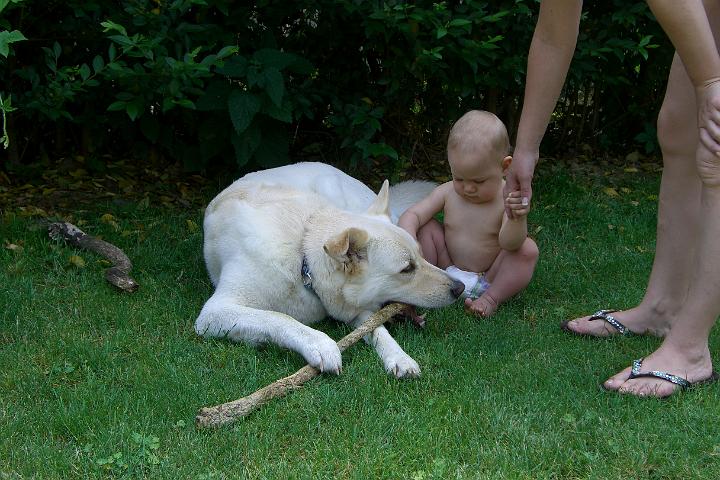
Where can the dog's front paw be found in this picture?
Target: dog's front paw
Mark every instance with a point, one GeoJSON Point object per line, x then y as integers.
{"type": "Point", "coordinates": [324, 355]}
{"type": "Point", "coordinates": [402, 366]}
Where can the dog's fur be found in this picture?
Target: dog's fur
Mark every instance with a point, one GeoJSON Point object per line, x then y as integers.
{"type": "Point", "coordinates": [259, 230]}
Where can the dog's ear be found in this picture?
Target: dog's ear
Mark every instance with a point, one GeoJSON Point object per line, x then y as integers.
{"type": "Point", "coordinates": [381, 204]}
{"type": "Point", "coordinates": [348, 246]}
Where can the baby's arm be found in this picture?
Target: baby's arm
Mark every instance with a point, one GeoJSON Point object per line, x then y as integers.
{"type": "Point", "coordinates": [513, 231]}
{"type": "Point", "coordinates": [421, 213]}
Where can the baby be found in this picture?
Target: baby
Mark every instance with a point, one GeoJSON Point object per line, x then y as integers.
{"type": "Point", "coordinates": [477, 243]}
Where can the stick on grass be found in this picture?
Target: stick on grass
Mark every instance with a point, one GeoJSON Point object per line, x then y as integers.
{"type": "Point", "coordinates": [213, 417]}
{"type": "Point", "coordinates": [119, 274]}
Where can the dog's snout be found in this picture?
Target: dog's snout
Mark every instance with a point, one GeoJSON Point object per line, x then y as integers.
{"type": "Point", "coordinates": [457, 288]}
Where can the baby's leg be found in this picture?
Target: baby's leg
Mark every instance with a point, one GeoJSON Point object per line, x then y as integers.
{"type": "Point", "coordinates": [509, 274]}
{"type": "Point", "coordinates": [431, 237]}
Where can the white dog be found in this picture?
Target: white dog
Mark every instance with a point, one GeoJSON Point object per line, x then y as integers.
{"type": "Point", "coordinates": [290, 246]}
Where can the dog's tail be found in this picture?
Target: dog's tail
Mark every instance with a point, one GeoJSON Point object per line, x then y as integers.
{"type": "Point", "coordinates": [405, 194]}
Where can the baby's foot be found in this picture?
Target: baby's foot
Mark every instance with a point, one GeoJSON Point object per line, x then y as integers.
{"type": "Point", "coordinates": [639, 320]}
{"type": "Point", "coordinates": [484, 306]}
{"type": "Point", "coordinates": [693, 368]}
{"type": "Point", "coordinates": [410, 312]}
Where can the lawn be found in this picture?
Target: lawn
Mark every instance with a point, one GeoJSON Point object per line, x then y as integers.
{"type": "Point", "coordinates": [99, 384]}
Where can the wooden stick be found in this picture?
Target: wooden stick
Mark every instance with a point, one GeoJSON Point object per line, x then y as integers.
{"type": "Point", "coordinates": [231, 411]}
{"type": "Point", "coordinates": [119, 274]}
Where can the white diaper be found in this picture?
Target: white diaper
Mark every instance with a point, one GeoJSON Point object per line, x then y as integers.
{"type": "Point", "coordinates": [475, 283]}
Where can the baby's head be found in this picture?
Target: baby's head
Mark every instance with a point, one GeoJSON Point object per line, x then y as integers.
{"type": "Point", "coordinates": [478, 148]}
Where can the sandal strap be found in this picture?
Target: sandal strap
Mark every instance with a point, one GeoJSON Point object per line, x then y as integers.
{"type": "Point", "coordinates": [605, 315]}
{"type": "Point", "coordinates": [635, 373]}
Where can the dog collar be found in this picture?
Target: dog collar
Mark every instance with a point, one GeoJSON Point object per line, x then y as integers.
{"type": "Point", "coordinates": [306, 276]}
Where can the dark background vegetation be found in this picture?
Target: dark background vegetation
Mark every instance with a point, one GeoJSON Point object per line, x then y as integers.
{"type": "Point", "coordinates": [221, 86]}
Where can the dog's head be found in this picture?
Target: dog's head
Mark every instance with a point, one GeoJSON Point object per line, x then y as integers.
{"type": "Point", "coordinates": [382, 263]}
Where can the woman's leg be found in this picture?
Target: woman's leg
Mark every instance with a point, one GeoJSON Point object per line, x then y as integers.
{"type": "Point", "coordinates": [678, 217]}
{"type": "Point", "coordinates": [684, 352]}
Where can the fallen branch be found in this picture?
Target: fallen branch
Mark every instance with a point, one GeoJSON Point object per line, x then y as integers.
{"type": "Point", "coordinates": [118, 274]}
{"type": "Point", "coordinates": [229, 412]}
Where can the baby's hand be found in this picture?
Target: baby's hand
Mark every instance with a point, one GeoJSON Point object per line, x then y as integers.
{"type": "Point", "coordinates": [515, 203]}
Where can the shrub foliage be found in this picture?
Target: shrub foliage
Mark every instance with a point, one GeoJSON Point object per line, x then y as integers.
{"type": "Point", "coordinates": [254, 84]}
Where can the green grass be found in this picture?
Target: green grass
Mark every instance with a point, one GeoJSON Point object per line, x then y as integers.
{"type": "Point", "coordinates": [97, 384]}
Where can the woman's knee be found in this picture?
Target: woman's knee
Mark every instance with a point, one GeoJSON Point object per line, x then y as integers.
{"type": "Point", "coordinates": [677, 134]}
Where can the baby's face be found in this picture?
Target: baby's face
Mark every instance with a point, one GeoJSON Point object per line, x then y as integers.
{"type": "Point", "coordinates": [477, 177]}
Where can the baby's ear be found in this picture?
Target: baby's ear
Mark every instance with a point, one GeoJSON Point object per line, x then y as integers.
{"type": "Point", "coordinates": [506, 163]}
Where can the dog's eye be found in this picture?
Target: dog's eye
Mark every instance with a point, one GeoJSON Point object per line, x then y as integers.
{"type": "Point", "coordinates": [409, 269]}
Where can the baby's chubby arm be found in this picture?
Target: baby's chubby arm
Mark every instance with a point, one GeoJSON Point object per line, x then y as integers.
{"type": "Point", "coordinates": [421, 213]}
{"type": "Point", "coordinates": [513, 231]}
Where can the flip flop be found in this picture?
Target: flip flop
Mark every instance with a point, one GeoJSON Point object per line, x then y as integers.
{"type": "Point", "coordinates": [600, 315]}
{"type": "Point", "coordinates": [683, 383]}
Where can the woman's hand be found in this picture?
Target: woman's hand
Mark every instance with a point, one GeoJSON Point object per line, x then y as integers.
{"type": "Point", "coordinates": [519, 178]}
{"type": "Point", "coordinates": [708, 97]}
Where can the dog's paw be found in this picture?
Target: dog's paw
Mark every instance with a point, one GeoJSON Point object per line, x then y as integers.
{"type": "Point", "coordinates": [402, 366]}
{"type": "Point", "coordinates": [324, 355]}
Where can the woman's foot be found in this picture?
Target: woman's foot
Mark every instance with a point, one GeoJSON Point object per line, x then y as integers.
{"type": "Point", "coordinates": [639, 320]}
{"type": "Point", "coordinates": [694, 367]}
{"type": "Point", "coordinates": [485, 306]}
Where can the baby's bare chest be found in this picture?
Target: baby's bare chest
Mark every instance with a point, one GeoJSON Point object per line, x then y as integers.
{"type": "Point", "coordinates": [480, 221]}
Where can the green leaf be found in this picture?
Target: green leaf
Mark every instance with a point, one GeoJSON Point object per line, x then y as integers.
{"type": "Point", "coordinates": [496, 16]}
{"type": "Point", "coordinates": [123, 40]}
{"type": "Point", "coordinates": [6, 38]}
{"type": "Point", "coordinates": [274, 85]}
{"type": "Point", "coordinates": [243, 107]}
{"type": "Point", "coordinates": [134, 108]}
{"type": "Point", "coordinates": [227, 51]}
{"type": "Point", "coordinates": [269, 57]}
{"type": "Point", "coordinates": [98, 63]}
{"type": "Point", "coordinates": [117, 106]}
{"type": "Point", "coordinates": [254, 77]}
{"type": "Point", "coordinates": [246, 144]}
{"type": "Point", "coordinates": [112, 26]}
{"type": "Point", "coordinates": [186, 103]}
{"type": "Point", "coordinates": [382, 149]}
{"type": "Point", "coordinates": [236, 67]}
{"type": "Point", "coordinates": [3, 4]}
{"type": "Point", "coordinates": [282, 112]}
{"type": "Point", "coordinates": [441, 32]}
{"type": "Point", "coordinates": [84, 71]}
{"type": "Point", "coordinates": [460, 22]}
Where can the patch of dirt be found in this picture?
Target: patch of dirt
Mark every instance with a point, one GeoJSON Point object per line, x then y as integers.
{"type": "Point", "coordinates": [75, 183]}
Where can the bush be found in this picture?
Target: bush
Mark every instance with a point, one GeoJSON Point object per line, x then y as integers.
{"type": "Point", "coordinates": [215, 83]}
